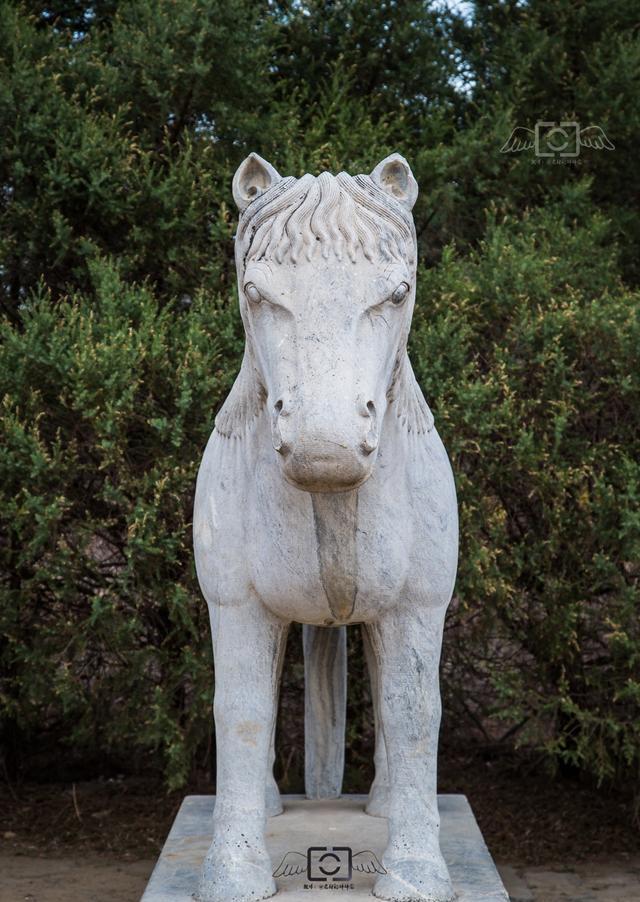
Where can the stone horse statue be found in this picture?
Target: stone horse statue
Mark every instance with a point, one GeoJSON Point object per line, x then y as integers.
{"type": "Point", "coordinates": [325, 497]}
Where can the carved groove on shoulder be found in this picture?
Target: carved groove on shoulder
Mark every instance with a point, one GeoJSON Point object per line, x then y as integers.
{"type": "Point", "coordinates": [406, 399]}
{"type": "Point", "coordinates": [244, 402]}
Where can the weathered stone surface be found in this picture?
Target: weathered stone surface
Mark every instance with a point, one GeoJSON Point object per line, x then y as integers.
{"type": "Point", "coordinates": [333, 823]}
{"type": "Point", "coordinates": [325, 708]}
{"type": "Point", "coordinates": [325, 497]}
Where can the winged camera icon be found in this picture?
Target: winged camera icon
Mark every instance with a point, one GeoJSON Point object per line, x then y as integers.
{"type": "Point", "coordinates": [556, 139]}
{"type": "Point", "coordinates": [322, 863]}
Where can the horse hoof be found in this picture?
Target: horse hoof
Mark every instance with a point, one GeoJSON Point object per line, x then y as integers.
{"type": "Point", "coordinates": [415, 881]}
{"type": "Point", "coordinates": [227, 879]}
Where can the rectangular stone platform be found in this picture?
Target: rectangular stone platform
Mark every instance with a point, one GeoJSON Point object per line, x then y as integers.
{"type": "Point", "coordinates": [339, 823]}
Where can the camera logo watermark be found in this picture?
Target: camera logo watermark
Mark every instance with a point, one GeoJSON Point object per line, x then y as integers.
{"type": "Point", "coordinates": [557, 140]}
{"type": "Point", "coordinates": [326, 866]}
{"type": "Point", "coordinates": [325, 863]}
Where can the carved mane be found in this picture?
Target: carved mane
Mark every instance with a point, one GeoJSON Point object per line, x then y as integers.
{"type": "Point", "coordinates": [337, 214]}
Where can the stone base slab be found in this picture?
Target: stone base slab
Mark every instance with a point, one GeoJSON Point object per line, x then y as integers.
{"type": "Point", "coordinates": [336, 824]}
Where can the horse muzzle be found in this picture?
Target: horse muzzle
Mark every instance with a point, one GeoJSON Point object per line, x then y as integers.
{"type": "Point", "coordinates": [322, 460]}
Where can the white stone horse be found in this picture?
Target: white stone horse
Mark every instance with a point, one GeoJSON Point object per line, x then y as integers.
{"type": "Point", "coordinates": [325, 497]}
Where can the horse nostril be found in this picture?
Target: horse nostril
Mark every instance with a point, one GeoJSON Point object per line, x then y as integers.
{"type": "Point", "coordinates": [370, 442]}
{"type": "Point", "coordinates": [278, 442]}
{"type": "Point", "coordinates": [369, 445]}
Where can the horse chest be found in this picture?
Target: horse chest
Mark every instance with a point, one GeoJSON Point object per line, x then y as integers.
{"type": "Point", "coordinates": [329, 558]}
{"type": "Point", "coordinates": [335, 523]}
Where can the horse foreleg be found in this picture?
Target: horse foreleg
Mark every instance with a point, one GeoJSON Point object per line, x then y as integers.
{"type": "Point", "coordinates": [247, 643]}
{"type": "Point", "coordinates": [406, 644]}
{"type": "Point", "coordinates": [378, 801]}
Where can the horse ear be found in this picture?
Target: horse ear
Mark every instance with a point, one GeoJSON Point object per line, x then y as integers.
{"type": "Point", "coordinates": [394, 176]}
{"type": "Point", "coordinates": [253, 177]}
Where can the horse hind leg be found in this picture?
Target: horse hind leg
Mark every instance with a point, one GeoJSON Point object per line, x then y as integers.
{"type": "Point", "coordinates": [325, 704]}
{"type": "Point", "coordinates": [273, 802]}
{"type": "Point", "coordinates": [273, 799]}
{"type": "Point", "coordinates": [378, 801]}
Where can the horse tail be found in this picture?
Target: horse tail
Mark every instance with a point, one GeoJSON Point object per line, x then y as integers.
{"type": "Point", "coordinates": [325, 704]}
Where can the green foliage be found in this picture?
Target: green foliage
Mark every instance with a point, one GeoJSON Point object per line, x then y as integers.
{"type": "Point", "coordinates": [107, 405]}
{"type": "Point", "coordinates": [122, 124]}
{"type": "Point", "coordinates": [530, 349]}
{"type": "Point", "coordinates": [108, 143]}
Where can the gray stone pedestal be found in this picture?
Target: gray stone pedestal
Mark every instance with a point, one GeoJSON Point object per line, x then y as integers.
{"type": "Point", "coordinates": [340, 826]}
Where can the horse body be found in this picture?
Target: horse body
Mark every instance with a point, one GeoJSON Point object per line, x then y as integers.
{"type": "Point", "coordinates": [325, 497]}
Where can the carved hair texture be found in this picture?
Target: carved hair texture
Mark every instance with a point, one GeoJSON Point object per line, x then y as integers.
{"type": "Point", "coordinates": [331, 214]}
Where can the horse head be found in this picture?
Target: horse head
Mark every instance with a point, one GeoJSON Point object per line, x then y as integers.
{"type": "Point", "coordinates": [326, 279]}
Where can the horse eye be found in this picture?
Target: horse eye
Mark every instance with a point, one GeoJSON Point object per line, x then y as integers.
{"type": "Point", "coordinates": [252, 293]}
{"type": "Point", "coordinates": [400, 294]}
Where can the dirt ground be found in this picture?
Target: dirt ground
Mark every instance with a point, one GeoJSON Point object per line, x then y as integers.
{"type": "Point", "coordinates": [98, 840]}
{"type": "Point", "coordinates": [70, 878]}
